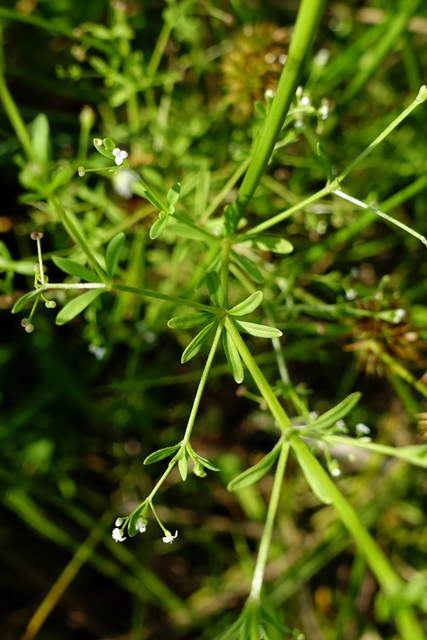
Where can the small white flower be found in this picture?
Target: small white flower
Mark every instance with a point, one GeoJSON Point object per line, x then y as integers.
{"type": "Point", "coordinates": [169, 538]}
{"type": "Point", "coordinates": [120, 155]}
{"type": "Point", "coordinates": [117, 536]}
{"type": "Point", "coordinates": [122, 183]}
{"type": "Point", "coordinates": [351, 294]}
{"type": "Point", "coordinates": [119, 522]}
{"type": "Point", "coordinates": [362, 429]}
{"type": "Point", "coordinates": [140, 525]}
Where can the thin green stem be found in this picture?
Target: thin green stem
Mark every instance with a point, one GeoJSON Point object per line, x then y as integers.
{"type": "Point", "coordinates": [421, 97]}
{"type": "Point", "coordinates": [165, 531]}
{"type": "Point", "coordinates": [158, 485]}
{"type": "Point", "coordinates": [264, 546]}
{"type": "Point", "coordinates": [381, 214]}
{"type": "Point", "coordinates": [200, 388]}
{"type": "Point", "coordinates": [12, 110]}
{"type": "Point", "coordinates": [267, 393]}
{"type": "Point", "coordinates": [219, 198]}
{"type": "Point", "coordinates": [308, 18]}
{"type": "Point", "coordinates": [162, 296]}
{"type": "Point", "coordinates": [385, 574]}
{"type": "Point", "coordinates": [159, 49]}
{"type": "Point", "coordinates": [225, 262]}
{"type": "Point", "coordinates": [78, 285]}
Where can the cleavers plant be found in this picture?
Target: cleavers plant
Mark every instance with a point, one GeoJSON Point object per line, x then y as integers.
{"type": "Point", "coordinates": [232, 246]}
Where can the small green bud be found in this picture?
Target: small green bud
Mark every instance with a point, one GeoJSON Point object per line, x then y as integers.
{"type": "Point", "coordinates": [81, 171]}
{"type": "Point", "coordinates": [50, 304]}
{"type": "Point", "coordinates": [198, 470]}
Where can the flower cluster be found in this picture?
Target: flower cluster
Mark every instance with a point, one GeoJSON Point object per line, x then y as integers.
{"type": "Point", "coordinates": [141, 527]}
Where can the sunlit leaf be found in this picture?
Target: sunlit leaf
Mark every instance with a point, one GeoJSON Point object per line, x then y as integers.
{"type": "Point", "coordinates": [269, 243]}
{"type": "Point", "coordinates": [160, 454]}
{"type": "Point", "coordinates": [77, 305]}
{"type": "Point", "coordinates": [113, 253]}
{"type": "Point", "coordinates": [308, 464]}
{"type": "Point", "coordinates": [74, 269]}
{"type": "Point", "coordinates": [40, 139]}
{"type": "Point", "coordinates": [159, 226]}
{"type": "Point", "coordinates": [196, 344]}
{"type": "Point", "coordinates": [233, 357]}
{"type": "Point", "coordinates": [258, 330]}
{"type": "Point", "coordinates": [183, 466]}
{"type": "Point", "coordinates": [173, 194]}
{"type": "Point", "coordinates": [190, 320]}
{"type": "Point", "coordinates": [255, 473]}
{"type": "Point", "coordinates": [330, 417]}
{"type": "Point", "coordinates": [19, 304]}
{"type": "Point", "coordinates": [247, 306]}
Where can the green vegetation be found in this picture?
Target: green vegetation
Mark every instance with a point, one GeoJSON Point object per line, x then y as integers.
{"type": "Point", "coordinates": [214, 390]}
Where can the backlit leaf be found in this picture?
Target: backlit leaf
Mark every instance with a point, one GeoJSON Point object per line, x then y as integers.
{"type": "Point", "coordinates": [77, 305]}
{"type": "Point", "coordinates": [255, 473]}
{"type": "Point", "coordinates": [247, 306]}
{"type": "Point", "coordinates": [215, 289]}
{"type": "Point", "coordinates": [233, 357]}
{"type": "Point", "coordinates": [74, 269]}
{"type": "Point", "coordinates": [248, 267]}
{"type": "Point", "coordinates": [160, 454]}
{"type": "Point", "coordinates": [258, 330]}
{"type": "Point", "coordinates": [113, 253]}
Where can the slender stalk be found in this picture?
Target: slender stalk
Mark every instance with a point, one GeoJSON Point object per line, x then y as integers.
{"type": "Point", "coordinates": [163, 296]}
{"type": "Point", "coordinates": [267, 393]}
{"type": "Point", "coordinates": [219, 198]}
{"type": "Point", "coordinates": [11, 109]}
{"type": "Point", "coordinates": [200, 388]}
{"type": "Point", "coordinates": [381, 214]}
{"type": "Point", "coordinates": [308, 18]}
{"type": "Point", "coordinates": [385, 574]}
{"type": "Point", "coordinates": [159, 49]}
{"type": "Point", "coordinates": [258, 577]}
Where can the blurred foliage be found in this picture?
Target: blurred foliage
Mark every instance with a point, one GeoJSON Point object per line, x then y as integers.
{"type": "Point", "coordinates": [83, 405]}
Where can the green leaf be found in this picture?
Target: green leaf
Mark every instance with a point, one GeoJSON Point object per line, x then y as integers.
{"type": "Point", "coordinates": [173, 194]}
{"type": "Point", "coordinates": [102, 150]}
{"type": "Point", "coordinates": [19, 304]}
{"type": "Point", "coordinates": [248, 267]}
{"type": "Point", "coordinates": [131, 527]}
{"type": "Point", "coordinates": [190, 320]}
{"type": "Point", "coordinates": [160, 454]}
{"type": "Point", "coordinates": [308, 464]}
{"type": "Point", "coordinates": [185, 231]}
{"type": "Point", "coordinates": [269, 243]}
{"type": "Point", "coordinates": [216, 292]}
{"type": "Point", "coordinates": [113, 253]}
{"type": "Point", "coordinates": [40, 138]}
{"type": "Point", "coordinates": [196, 344]}
{"type": "Point", "coordinates": [183, 466]}
{"type": "Point", "coordinates": [233, 357]}
{"type": "Point", "coordinates": [326, 163]}
{"type": "Point", "coordinates": [207, 463]}
{"type": "Point", "coordinates": [248, 305]}
{"type": "Point", "coordinates": [77, 305]}
{"type": "Point", "coordinates": [231, 218]}
{"type": "Point", "coordinates": [330, 417]}
{"type": "Point", "coordinates": [258, 330]}
{"type": "Point", "coordinates": [74, 269]}
{"type": "Point", "coordinates": [159, 226]}
{"type": "Point", "coordinates": [109, 144]}
{"type": "Point", "coordinates": [255, 473]}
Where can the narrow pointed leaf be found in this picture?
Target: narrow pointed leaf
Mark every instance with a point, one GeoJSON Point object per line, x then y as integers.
{"type": "Point", "coordinates": [185, 231]}
{"type": "Point", "coordinates": [324, 159]}
{"type": "Point", "coordinates": [248, 267]}
{"type": "Point", "coordinates": [161, 454]}
{"type": "Point", "coordinates": [77, 305]}
{"type": "Point", "coordinates": [113, 253]}
{"type": "Point", "coordinates": [233, 357]}
{"type": "Point", "coordinates": [255, 473]}
{"type": "Point", "coordinates": [269, 243]}
{"type": "Point", "coordinates": [183, 467]}
{"type": "Point", "coordinates": [190, 320]}
{"type": "Point", "coordinates": [206, 463]}
{"type": "Point", "coordinates": [308, 464]}
{"type": "Point", "coordinates": [247, 306]}
{"type": "Point", "coordinates": [19, 304]}
{"type": "Point", "coordinates": [215, 289]}
{"type": "Point", "coordinates": [40, 138]}
{"type": "Point", "coordinates": [196, 344]}
{"type": "Point", "coordinates": [258, 330]}
{"type": "Point", "coordinates": [173, 194]}
{"type": "Point", "coordinates": [330, 417]}
{"type": "Point", "coordinates": [75, 269]}
{"type": "Point", "coordinates": [158, 227]}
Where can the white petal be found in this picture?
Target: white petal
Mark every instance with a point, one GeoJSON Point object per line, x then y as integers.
{"type": "Point", "coordinates": [170, 538]}
{"type": "Point", "coordinates": [116, 151]}
{"type": "Point", "coordinates": [118, 160]}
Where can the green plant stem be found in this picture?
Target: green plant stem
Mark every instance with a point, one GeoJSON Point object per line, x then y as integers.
{"type": "Point", "coordinates": [264, 546]}
{"type": "Point", "coordinates": [421, 97]}
{"type": "Point", "coordinates": [159, 483]}
{"type": "Point", "coordinates": [308, 18]}
{"type": "Point", "coordinates": [202, 383]}
{"type": "Point", "coordinates": [219, 198]}
{"type": "Point", "coordinates": [381, 214]}
{"type": "Point", "coordinates": [225, 263]}
{"type": "Point", "coordinates": [163, 296]}
{"type": "Point", "coordinates": [385, 574]}
{"type": "Point", "coordinates": [73, 230]}
{"type": "Point", "coordinates": [267, 393]}
{"type": "Point", "coordinates": [159, 49]}
{"type": "Point", "coordinates": [11, 109]}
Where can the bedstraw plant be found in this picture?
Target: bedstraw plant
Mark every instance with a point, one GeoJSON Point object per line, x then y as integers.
{"type": "Point", "coordinates": [233, 253]}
